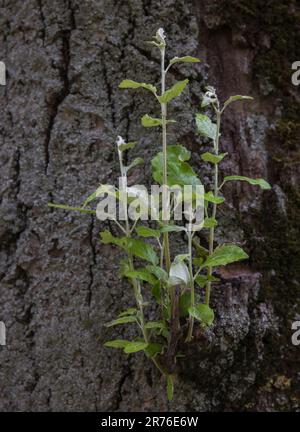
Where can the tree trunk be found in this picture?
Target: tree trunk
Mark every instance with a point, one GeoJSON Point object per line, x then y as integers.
{"type": "Point", "coordinates": [61, 113]}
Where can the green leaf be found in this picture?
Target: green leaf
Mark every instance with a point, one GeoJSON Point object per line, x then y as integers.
{"type": "Point", "coordinates": [201, 280]}
{"type": "Point", "coordinates": [144, 231]}
{"type": "Point", "coordinates": [236, 98]}
{"type": "Point", "coordinates": [117, 343]}
{"type": "Point", "coordinates": [133, 84]}
{"type": "Point", "coordinates": [155, 324]}
{"type": "Point", "coordinates": [170, 387]}
{"type": "Point", "coordinates": [156, 291]}
{"type": "Point", "coordinates": [102, 189]}
{"type": "Point", "coordinates": [212, 158]}
{"type": "Point", "coordinates": [202, 313]}
{"type": "Point", "coordinates": [158, 272]}
{"type": "Point", "coordinates": [153, 349]}
{"type": "Point", "coordinates": [198, 262]}
{"type": "Point", "coordinates": [181, 257]}
{"type": "Point", "coordinates": [142, 274]}
{"type": "Point", "coordinates": [132, 347]}
{"type": "Point", "coordinates": [148, 121]}
{"type": "Point", "coordinates": [185, 303]}
{"type": "Point", "coordinates": [201, 251]}
{"type": "Point", "coordinates": [129, 311]}
{"type": "Point", "coordinates": [173, 92]}
{"type": "Point", "coordinates": [186, 59]}
{"type": "Point", "coordinates": [124, 266]}
{"type": "Point", "coordinates": [137, 161]}
{"type": "Point", "coordinates": [108, 238]}
{"type": "Point", "coordinates": [65, 207]}
{"type": "Point", "coordinates": [210, 197]}
{"type": "Point", "coordinates": [205, 126]}
{"type": "Point", "coordinates": [179, 274]}
{"type": "Point", "coordinates": [142, 250]}
{"type": "Point", "coordinates": [179, 171]}
{"type": "Point", "coordinates": [127, 146]}
{"type": "Point", "coordinates": [209, 223]}
{"type": "Point", "coordinates": [173, 228]}
{"type": "Point", "coordinates": [121, 320]}
{"type": "Point", "coordinates": [259, 181]}
{"type": "Point", "coordinates": [224, 255]}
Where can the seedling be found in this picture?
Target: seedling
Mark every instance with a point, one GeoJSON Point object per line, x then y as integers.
{"type": "Point", "coordinates": [179, 282]}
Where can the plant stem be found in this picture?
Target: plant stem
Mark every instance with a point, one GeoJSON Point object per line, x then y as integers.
{"type": "Point", "coordinates": [214, 211]}
{"type": "Point", "coordinates": [135, 282]}
{"type": "Point", "coordinates": [165, 167]}
{"type": "Point", "coordinates": [66, 207]}
{"type": "Point", "coordinates": [192, 286]}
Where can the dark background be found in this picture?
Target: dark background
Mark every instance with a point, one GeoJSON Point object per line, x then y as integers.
{"type": "Point", "coordinates": [61, 111]}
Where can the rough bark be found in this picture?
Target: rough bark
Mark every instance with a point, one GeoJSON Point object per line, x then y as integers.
{"type": "Point", "coordinates": [61, 111]}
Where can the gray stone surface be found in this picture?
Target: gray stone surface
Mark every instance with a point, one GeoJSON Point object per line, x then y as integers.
{"type": "Point", "coordinates": [61, 111]}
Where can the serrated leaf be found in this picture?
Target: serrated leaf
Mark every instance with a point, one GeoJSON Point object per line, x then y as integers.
{"type": "Point", "coordinates": [173, 92]}
{"type": "Point", "coordinates": [186, 59]}
{"type": "Point", "coordinates": [133, 84]}
{"type": "Point", "coordinates": [236, 98]}
{"type": "Point", "coordinates": [132, 347]}
{"type": "Point", "coordinates": [148, 121]}
{"type": "Point", "coordinates": [144, 231]}
{"type": "Point", "coordinates": [142, 250]}
{"type": "Point", "coordinates": [259, 181]}
{"type": "Point", "coordinates": [117, 343]}
{"type": "Point", "coordinates": [205, 126]}
{"type": "Point", "coordinates": [210, 197]}
{"type": "Point", "coordinates": [202, 313]}
{"type": "Point", "coordinates": [121, 320]}
{"type": "Point", "coordinates": [129, 311]}
{"type": "Point", "coordinates": [142, 274]}
{"type": "Point", "coordinates": [179, 274]}
{"type": "Point", "coordinates": [179, 171]}
{"type": "Point", "coordinates": [225, 254]}
{"type": "Point", "coordinates": [209, 223]}
{"type": "Point", "coordinates": [170, 387]}
{"type": "Point", "coordinates": [212, 158]}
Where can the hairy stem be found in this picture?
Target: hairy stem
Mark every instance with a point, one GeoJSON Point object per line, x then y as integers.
{"type": "Point", "coordinates": [214, 211]}
{"type": "Point", "coordinates": [192, 286]}
{"type": "Point", "coordinates": [165, 167]}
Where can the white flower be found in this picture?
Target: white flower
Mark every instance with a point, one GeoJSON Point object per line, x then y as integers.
{"type": "Point", "coordinates": [120, 141]}
{"type": "Point", "coordinates": [160, 35]}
